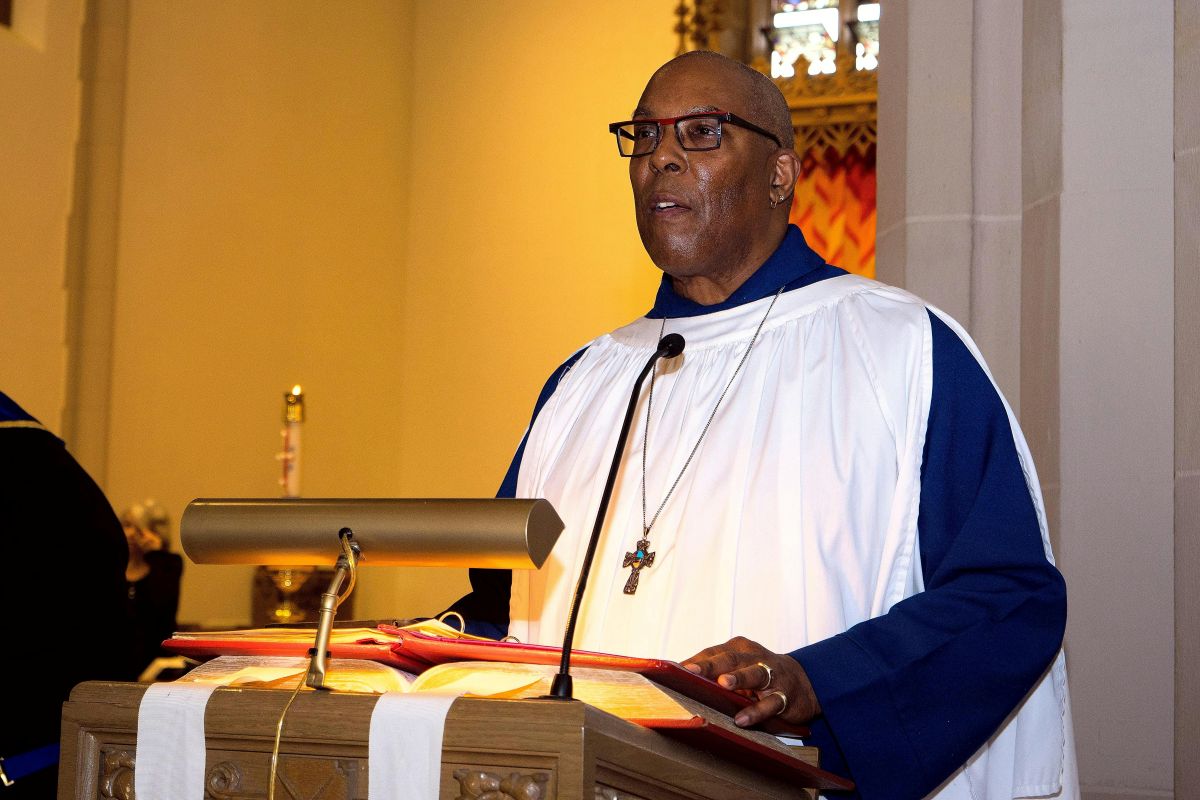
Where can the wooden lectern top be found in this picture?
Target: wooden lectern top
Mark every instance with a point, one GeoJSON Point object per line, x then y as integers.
{"type": "Point", "coordinates": [524, 749]}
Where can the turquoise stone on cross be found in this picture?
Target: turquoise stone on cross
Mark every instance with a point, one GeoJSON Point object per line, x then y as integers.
{"type": "Point", "coordinates": [638, 560]}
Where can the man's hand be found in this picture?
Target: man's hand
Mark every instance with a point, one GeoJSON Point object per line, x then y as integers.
{"type": "Point", "coordinates": [777, 682]}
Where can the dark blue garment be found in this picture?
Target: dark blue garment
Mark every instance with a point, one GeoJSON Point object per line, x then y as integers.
{"type": "Point", "coordinates": [11, 412]}
{"type": "Point", "coordinates": [49, 504]}
{"type": "Point", "coordinates": [908, 696]}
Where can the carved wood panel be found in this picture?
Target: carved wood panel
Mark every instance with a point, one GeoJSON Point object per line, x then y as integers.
{"type": "Point", "coordinates": [477, 784]}
{"type": "Point", "coordinates": [238, 778]}
{"type": "Point", "coordinates": [299, 778]}
{"type": "Point", "coordinates": [116, 775]}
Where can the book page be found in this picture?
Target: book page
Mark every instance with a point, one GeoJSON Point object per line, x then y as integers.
{"type": "Point", "coordinates": [621, 693]}
{"type": "Point", "coordinates": [482, 679]}
{"type": "Point", "coordinates": [276, 672]}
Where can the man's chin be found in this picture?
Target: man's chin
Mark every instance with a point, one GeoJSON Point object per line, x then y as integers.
{"type": "Point", "coordinates": [675, 260]}
{"type": "Point", "coordinates": [682, 268]}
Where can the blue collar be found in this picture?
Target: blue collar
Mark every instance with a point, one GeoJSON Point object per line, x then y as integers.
{"type": "Point", "coordinates": [792, 265]}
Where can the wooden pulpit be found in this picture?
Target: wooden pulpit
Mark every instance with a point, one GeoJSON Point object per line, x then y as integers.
{"type": "Point", "coordinates": [492, 749]}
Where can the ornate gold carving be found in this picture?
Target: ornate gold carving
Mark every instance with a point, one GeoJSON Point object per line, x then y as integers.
{"type": "Point", "coordinates": [838, 110]}
{"type": "Point", "coordinates": [699, 26]}
{"type": "Point", "coordinates": [474, 784]}
{"type": "Point", "coordinates": [841, 136]}
{"type": "Point", "coordinates": [846, 86]}
{"type": "Point", "coordinates": [116, 775]}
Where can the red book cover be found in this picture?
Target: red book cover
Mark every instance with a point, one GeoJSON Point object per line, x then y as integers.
{"type": "Point", "coordinates": [740, 749]}
{"type": "Point", "coordinates": [382, 650]}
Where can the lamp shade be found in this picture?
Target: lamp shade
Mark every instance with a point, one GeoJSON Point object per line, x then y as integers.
{"type": "Point", "coordinates": [500, 534]}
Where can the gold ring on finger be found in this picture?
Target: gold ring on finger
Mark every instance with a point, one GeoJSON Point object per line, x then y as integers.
{"type": "Point", "coordinates": [770, 675]}
{"type": "Point", "coordinates": [782, 697]}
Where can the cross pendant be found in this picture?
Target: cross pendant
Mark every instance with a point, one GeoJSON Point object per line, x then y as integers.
{"type": "Point", "coordinates": [638, 560]}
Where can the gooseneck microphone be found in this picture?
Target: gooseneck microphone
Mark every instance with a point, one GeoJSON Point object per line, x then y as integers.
{"type": "Point", "coordinates": [669, 346]}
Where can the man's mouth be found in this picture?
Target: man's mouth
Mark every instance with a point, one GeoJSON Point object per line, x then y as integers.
{"type": "Point", "coordinates": [666, 205]}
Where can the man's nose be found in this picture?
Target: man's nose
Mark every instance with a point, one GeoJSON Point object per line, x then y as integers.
{"type": "Point", "coordinates": [669, 156]}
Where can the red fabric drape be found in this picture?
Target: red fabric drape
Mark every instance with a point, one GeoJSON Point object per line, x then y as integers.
{"type": "Point", "coordinates": [834, 205]}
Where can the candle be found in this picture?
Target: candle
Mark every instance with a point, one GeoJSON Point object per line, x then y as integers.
{"type": "Point", "coordinates": [293, 415]}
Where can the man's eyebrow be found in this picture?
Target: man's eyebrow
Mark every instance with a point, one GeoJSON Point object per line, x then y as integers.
{"type": "Point", "coordinates": [642, 111]}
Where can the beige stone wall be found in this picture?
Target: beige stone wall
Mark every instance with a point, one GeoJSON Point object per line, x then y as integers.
{"type": "Point", "coordinates": [926, 198]}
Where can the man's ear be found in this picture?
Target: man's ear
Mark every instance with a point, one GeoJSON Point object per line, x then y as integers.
{"type": "Point", "coordinates": [786, 171]}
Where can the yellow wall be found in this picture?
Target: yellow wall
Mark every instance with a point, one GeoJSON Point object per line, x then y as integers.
{"type": "Point", "coordinates": [39, 121]}
{"type": "Point", "coordinates": [522, 244]}
{"type": "Point", "coordinates": [261, 245]}
{"type": "Point", "coordinates": [414, 213]}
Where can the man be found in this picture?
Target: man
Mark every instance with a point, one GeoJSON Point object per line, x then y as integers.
{"type": "Point", "coordinates": [826, 480]}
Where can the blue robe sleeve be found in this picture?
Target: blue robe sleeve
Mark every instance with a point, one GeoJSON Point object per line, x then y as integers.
{"type": "Point", "coordinates": [907, 697]}
{"type": "Point", "coordinates": [485, 607]}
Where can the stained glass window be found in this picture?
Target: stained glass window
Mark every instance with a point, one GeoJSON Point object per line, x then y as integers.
{"type": "Point", "coordinates": [805, 35]}
{"type": "Point", "coordinates": [866, 34]}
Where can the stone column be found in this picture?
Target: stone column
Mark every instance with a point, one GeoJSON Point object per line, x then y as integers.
{"type": "Point", "coordinates": [1187, 398]}
{"type": "Point", "coordinates": [1115, 346]}
{"type": "Point", "coordinates": [1047, 228]}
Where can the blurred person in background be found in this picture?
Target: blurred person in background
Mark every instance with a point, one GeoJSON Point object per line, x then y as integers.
{"type": "Point", "coordinates": [152, 578]}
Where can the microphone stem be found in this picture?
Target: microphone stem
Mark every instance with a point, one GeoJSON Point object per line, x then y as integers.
{"type": "Point", "coordinates": [562, 687]}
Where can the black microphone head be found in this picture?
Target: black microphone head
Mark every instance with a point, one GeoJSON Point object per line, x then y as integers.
{"type": "Point", "coordinates": [670, 345]}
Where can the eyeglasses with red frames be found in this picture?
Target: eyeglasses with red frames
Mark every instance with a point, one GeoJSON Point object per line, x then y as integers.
{"type": "Point", "coordinates": [701, 131]}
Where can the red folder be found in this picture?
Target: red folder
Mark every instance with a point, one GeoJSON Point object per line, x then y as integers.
{"type": "Point", "coordinates": [745, 751]}
{"type": "Point", "coordinates": [385, 652]}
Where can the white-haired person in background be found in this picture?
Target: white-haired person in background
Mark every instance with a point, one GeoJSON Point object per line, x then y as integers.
{"type": "Point", "coordinates": [153, 577]}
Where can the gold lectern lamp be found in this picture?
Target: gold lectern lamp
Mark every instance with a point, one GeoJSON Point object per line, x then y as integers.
{"type": "Point", "coordinates": [500, 534]}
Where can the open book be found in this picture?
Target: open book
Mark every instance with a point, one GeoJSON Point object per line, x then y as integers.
{"type": "Point", "coordinates": [622, 693]}
{"type": "Point", "coordinates": [417, 647]}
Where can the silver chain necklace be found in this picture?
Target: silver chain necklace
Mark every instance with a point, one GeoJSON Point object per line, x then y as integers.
{"type": "Point", "coordinates": [641, 557]}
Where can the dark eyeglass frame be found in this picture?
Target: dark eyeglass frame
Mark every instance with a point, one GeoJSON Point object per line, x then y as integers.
{"type": "Point", "coordinates": [720, 116]}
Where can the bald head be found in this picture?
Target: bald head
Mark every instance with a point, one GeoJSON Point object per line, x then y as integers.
{"type": "Point", "coordinates": [764, 104]}
{"type": "Point", "coordinates": [710, 216]}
